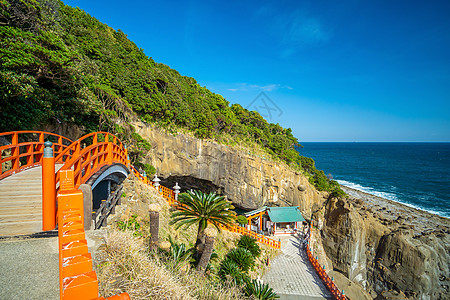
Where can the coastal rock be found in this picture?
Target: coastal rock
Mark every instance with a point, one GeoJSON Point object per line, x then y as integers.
{"type": "Point", "coordinates": [249, 181]}
{"type": "Point", "coordinates": [403, 250]}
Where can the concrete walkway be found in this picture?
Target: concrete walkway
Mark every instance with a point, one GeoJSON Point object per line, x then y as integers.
{"type": "Point", "coordinates": [292, 276]}
{"type": "Point", "coordinates": [29, 269]}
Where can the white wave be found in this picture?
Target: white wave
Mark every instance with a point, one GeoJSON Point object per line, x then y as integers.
{"type": "Point", "coordinates": [368, 190]}
{"type": "Point", "coordinates": [386, 195]}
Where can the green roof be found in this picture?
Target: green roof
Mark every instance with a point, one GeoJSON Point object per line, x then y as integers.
{"type": "Point", "coordinates": [285, 214]}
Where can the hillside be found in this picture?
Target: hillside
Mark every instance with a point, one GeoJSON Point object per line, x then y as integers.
{"type": "Point", "coordinates": [124, 263]}
{"type": "Point", "coordinates": [62, 67]}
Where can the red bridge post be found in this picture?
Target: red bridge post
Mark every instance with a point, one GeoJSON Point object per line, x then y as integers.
{"type": "Point", "coordinates": [48, 189]}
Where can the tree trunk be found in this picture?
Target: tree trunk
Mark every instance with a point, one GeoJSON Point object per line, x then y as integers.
{"type": "Point", "coordinates": [154, 230]}
{"type": "Point", "coordinates": [200, 243]}
{"type": "Point", "coordinates": [208, 249]}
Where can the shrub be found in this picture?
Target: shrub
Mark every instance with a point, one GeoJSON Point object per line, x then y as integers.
{"type": "Point", "coordinates": [259, 290]}
{"type": "Point", "coordinates": [242, 257]}
{"type": "Point", "coordinates": [250, 244]}
{"type": "Point", "coordinates": [229, 270]}
{"type": "Point", "coordinates": [242, 220]}
{"type": "Point", "coordinates": [132, 224]}
{"type": "Point", "coordinates": [178, 253]}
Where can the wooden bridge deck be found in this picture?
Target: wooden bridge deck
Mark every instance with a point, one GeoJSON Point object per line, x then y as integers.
{"type": "Point", "coordinates": [21, 203]}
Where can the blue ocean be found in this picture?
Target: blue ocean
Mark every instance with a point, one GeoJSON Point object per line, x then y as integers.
{"type": "Point", "coordinates": [415, 174]}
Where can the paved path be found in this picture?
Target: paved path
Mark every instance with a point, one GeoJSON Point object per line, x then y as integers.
{"type": "Point", "coordinates": [29, 269]}
{"type": "Point", "coordinates": [292, 276]}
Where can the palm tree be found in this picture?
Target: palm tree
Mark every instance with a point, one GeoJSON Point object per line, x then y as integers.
{"type": "Point", "coordinates": [199, 208]}
{"type": "Point", "coordinates": [210, 234]}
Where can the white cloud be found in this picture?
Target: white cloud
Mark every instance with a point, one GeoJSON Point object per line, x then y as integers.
{"type": "Point", "coordinates": [244, 87]}
{"type": "Point", "coordinates": [297, 30]}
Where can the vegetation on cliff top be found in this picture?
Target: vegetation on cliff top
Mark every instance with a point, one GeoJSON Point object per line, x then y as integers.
{"type": "Point", "coordinates": [60, 65]}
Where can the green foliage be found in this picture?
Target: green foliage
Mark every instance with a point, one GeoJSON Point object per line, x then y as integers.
{"type": "Point", "coordinates": [179, 253]}
{"type": "Point", "coordinates": [131, 224]}
{"type": "Point", "coordinates": [229, 270]}
{"type": "Point", "coordinates": [259, 290]}
{"type": "Point", "coordinates": [242, 257]}
{"type": "Point", "coordinates": [61, 65]}
{"type": "Point", "coordinates": [242, 220]}
{"type": "Point", "coordinates": [250, 244]}
{"type": "Point", "coordinates": [199, 208]}
{"type": "Point", "coordinates": [319, 179]}
{"type": "Point", "coordinates": [141, 142]}
{"type": "Point", "coordinates": [148, 168]}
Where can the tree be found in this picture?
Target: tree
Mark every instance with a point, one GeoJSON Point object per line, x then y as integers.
{"type": "Point", "coordinates": [242, 220]}
{"type": "Point", "coordinates": [210, 234]}
{"type": "Point", "coordinates": [154, 210]}
{"type": "Point", "coordinates": [199, 208]}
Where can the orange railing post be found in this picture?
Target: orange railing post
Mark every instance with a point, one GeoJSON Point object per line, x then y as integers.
{"type": "Point", "coordinates": [48, 189]}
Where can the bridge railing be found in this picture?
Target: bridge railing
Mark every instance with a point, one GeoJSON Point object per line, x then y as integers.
{"type": "Point", "coordinates": [337, 294]}
{"type": "Point", "coordinates": [90, 153]}
{"type": "Point", "coordinates": [24, 149]}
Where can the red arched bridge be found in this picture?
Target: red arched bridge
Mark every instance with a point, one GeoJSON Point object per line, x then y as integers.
{"type": "Point", "coordinates": [49, 181]}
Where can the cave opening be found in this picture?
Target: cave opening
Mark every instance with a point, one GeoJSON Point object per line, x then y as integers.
{"type": "Point", "coordinates": [187, 183]}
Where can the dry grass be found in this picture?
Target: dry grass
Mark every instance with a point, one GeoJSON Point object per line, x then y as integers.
{"type": "Point", "coordinates": [124, 264]}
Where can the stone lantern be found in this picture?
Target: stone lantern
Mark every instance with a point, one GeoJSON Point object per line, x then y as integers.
{"type": "Point", "coordinates": [176, 190]}
{"type": "Point", "coordinates": [156, 181]}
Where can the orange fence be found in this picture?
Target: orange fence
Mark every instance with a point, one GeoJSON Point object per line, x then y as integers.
{"type": "Point", "coordinates": [90, 153]}
{"type": "Point", "coordinates": [169, 195]}
{"type": "Point", "coordinates": [24, 149]}
{"type": "Point", "coordinates": [337, 294]}
{"type": "Point", "coordinates": [259, 237]}
{"type": "Point", "coordinates": [77, 279]}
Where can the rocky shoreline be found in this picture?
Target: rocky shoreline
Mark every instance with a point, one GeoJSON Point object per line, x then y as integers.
{"type": "Point", "coordinates": [391, 211]}
{"type": "Point", "coordinates": [387, 247]}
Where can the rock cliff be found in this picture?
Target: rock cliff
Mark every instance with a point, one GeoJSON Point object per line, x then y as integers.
{"type": "Point", "coordinates": [386, 246]}
{"type": "Point", "coordinates": [247, 180]}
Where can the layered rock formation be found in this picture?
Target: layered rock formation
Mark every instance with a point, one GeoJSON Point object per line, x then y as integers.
{"type": "Point", "coordinates": [247, 180]}
{"type": "Point", "coordinates": [384, 245]}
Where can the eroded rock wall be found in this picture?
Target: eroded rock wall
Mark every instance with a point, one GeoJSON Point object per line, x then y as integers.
{"type": "Point", "coordinates": [386, 246]}
{"type": "Point", "coordinates": [247, 180]}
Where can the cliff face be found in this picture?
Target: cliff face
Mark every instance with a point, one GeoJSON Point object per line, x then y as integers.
{"type": "Point", "coordinates": [384, 246]}
{"type": "Point", "coordinates": [248, 181]}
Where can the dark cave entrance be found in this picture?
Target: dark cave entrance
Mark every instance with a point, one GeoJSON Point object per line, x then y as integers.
{"type": "Point", "coordinates": [187, 183]}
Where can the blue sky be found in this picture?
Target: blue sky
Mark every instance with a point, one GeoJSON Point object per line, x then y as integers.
{"type": "Point", "coordinates": [337, 70]}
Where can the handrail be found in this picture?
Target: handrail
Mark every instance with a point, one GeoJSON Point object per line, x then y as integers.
{"type": "Point", "coordinates": [87, 160]}
{"type": "Point", "coordinates": [169, 195]}
{"type": "Point", "coordinates": [25, 155]}
{"type": "Point", "coordinates": [337, 294]}
{"type": "Point", "coordinates": [94, 136]}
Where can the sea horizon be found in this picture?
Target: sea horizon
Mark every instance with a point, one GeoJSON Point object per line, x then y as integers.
{"type": "Point", "coordinates": [416, 174]}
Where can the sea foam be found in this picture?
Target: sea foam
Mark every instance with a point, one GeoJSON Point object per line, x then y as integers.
{"type": "Point", "coordinates": [386, 195]}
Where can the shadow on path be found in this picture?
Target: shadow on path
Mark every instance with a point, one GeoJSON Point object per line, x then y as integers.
{"type": "Point", "coordinates": [292, 275]}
